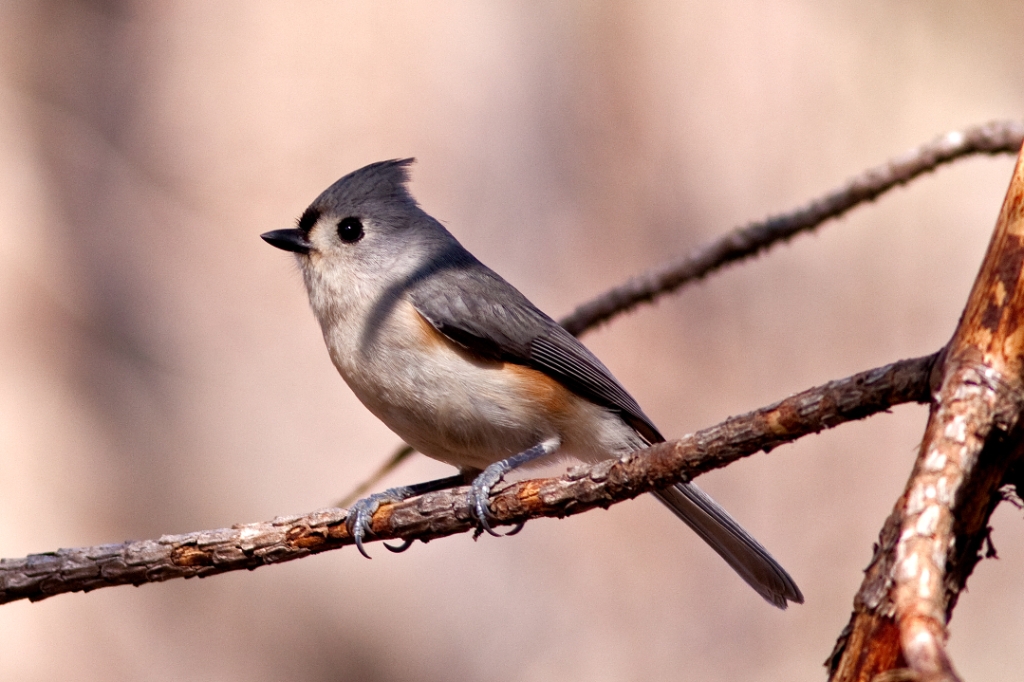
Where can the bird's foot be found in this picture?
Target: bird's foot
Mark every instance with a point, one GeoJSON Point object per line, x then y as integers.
{"type": "Point", "coordinates": [480, 489]}
{"type": "Point", "coordinates": [360, 516]}
{"type": "Point", "coordinates": [480, 493]}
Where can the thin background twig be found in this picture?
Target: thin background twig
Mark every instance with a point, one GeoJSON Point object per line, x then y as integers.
{"type": "Point", "coordinates": [997, 137]}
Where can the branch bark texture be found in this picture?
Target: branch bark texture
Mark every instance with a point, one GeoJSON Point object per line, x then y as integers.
{"type": "Point", "coordinates": [446, 513]}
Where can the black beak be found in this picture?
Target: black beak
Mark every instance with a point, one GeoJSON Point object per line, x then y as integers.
{"type": "Point", "coordinates": [289, 240]}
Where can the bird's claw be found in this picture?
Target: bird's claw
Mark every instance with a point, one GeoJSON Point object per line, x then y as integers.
{"type": "Point", "coordinates": [479, 496]}
{"type": "Point", "coordinates": [480, 490]}
{"type": "Point", "coordinates": [359, 519]}
{"type": "Point", "coordinates": [398, 549]}
{"type": "Point", "coordinates": [360, 514]}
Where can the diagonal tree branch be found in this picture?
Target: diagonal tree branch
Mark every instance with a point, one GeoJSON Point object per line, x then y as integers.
{"type": "Point", "coordinates": [446, 513]}
{"type": "Point", "coordinates": [998, 137]}
{"type": "Point", "coordinates": [932, 541]}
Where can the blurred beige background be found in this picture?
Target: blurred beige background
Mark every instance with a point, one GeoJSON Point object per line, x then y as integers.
{"type": "Point", "coordinates": [160, 371]}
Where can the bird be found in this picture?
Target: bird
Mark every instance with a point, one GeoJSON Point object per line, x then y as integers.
{"type": "Point", "coordinates": [465, 369]}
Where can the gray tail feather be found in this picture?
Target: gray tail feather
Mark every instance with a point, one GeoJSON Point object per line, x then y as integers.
{"type": "Point", "coordinates": [741, 551]}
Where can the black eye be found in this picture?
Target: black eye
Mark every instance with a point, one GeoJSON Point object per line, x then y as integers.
{"type": "Point", "coordinates": [350, 230]}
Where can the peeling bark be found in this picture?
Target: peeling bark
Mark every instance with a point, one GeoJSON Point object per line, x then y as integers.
{"type": "Point", "coordinates": [933, 539]}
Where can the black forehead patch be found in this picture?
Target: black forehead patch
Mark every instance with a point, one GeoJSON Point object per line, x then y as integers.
{"type": "Point", "coordinates": [308, 219]}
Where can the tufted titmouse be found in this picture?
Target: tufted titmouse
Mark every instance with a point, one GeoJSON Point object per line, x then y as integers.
{"type": "Point", "coordinates": [464, 368]}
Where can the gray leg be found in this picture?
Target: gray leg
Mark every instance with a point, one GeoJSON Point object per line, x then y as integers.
{"type": "Point", "coordinates": [480, 490]}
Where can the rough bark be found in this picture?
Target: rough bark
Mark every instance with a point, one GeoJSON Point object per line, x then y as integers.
{"type": "Point", "coordinates": [933, 539]}
{"type": "Point", "coordinates": [444, 513]}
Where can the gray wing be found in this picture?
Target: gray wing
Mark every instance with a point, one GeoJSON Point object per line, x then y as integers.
{"type": "Point", "coordinates": [483, 313]}
{"type": "Point", "coordinates": [477, 309]}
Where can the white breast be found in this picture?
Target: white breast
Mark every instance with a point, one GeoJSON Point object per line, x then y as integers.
{"type": "Point", "coordinates": [454, 406]}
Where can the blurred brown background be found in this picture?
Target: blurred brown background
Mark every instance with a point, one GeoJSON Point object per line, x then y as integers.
{"type": "Point", "coordinates": [160, 371]}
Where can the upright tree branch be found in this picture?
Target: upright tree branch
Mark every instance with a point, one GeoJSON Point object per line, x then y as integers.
{"type": "Point", "coordinates": [931, 542]}
{"type": "Point", "coordinates": [998, 137]}
{"type": "Point", "coordinates": [444, 513]}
